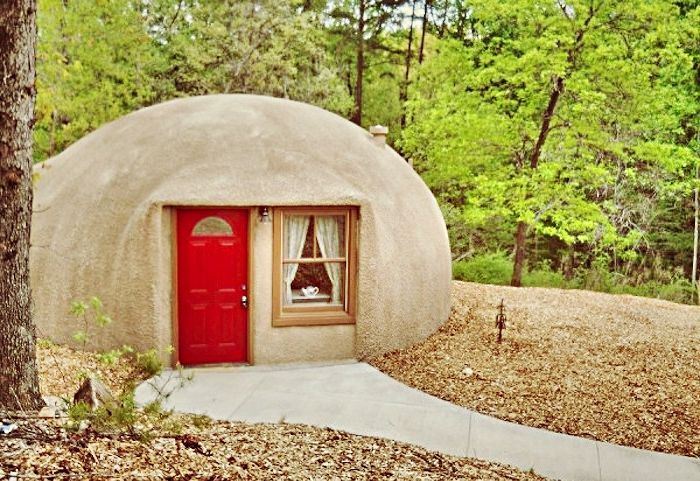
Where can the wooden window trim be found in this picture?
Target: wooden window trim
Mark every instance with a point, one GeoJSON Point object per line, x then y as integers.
{"type": "Point", "coordinates": [314, 315]}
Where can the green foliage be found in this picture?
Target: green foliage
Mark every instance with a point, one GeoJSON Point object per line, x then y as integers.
{"type": "Point", "coordinates": [680, 290]}
{"type": "Point", "coordinates": [492, 268]}
{"type": "Point", "coordinates": [78, 414]}
{"type": "Point", "coordinates": [98, 60]}
{"type": "Point", "coordinates": [43, 343]}
{"type": "Point", "coordinates": [201, 421]}
{"type": "Point", "coordinates": [621, 78]}
{"type": "Point", "coordinates": [110, 358]}
{"type": "Point", "coordinates": [543, 276]}
{"type": "Point", "coordinates": [149, 362]}
{"type": "Point", "coordinates": [90, 312]}
{"type": "Point", "coordinates": [612, 190]}
{"type": "Point", "coordinates": [496, 268]}
{"type": "Point", "coordinates": [120, 415]}
{"type": "Point", "coordinates": [95, 62]}
{"type": "Point", "coordinates": [264, 47]}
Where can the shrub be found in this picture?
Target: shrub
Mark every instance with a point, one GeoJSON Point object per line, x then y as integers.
{"type": "Point", "coordinates": [149, 362]}
{"type": "Point", "coordinates": [545, 277]}
{"type": "Point", "coordinates": [497, 268]}
{"type": "Point", "coordinates": [491, 268]}
{"type": "Point", "coordinates": [678, 290]}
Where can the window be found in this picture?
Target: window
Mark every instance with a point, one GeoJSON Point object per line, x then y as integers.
{"type": "Point", "coordinates": [212, 226]}
{"type": "Point", "coordinates": [314, 266]}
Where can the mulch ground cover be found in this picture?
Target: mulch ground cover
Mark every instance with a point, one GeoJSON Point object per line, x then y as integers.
{"type": "Point", "coordinates": [615, 368]}
{"type": "Point", "coordinates": [194, 447]}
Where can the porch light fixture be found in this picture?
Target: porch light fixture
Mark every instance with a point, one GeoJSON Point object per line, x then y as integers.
{"type": "Point", "coordinates": [264, 213]}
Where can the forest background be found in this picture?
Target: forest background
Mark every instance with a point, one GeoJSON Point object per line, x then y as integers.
{"type": "Point", "coordinates": [560, 137]}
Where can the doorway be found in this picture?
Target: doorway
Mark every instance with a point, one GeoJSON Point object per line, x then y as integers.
{"type": "Point", "coordinates": [212, 285]}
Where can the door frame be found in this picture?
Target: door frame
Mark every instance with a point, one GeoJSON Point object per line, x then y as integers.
{"type": "Point", "coordinates": [174, 308]}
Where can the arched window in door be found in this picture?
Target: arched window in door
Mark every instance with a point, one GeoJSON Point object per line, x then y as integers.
{"type": "Point", "coordinates": [212, 226]}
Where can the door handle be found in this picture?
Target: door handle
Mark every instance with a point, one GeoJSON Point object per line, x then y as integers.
{"type": "Point", "coordinates": [244, 302]}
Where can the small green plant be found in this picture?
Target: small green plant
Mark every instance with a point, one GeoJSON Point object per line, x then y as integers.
{"type": "Point", "coordinates": [200, 421]}
{"type": "Point", "coordinates": [149, 362]}
{"type": "Point", "coordinates": [123, 415]}
{"type": "Point", "coordinates": [92, 310]}
{"type": "Point", "coordinates": [119, 415]}
{"type": "Point", "coordinates": [110, 358]}
{"type": "Point", "coordinates": [78, 415]}
{"type": "Point", "coordinates": [42, 343]}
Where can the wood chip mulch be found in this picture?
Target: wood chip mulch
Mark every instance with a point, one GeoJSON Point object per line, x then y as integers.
{"type": "Point", "coordinates": [620, 369]}
{"type": "Point", "coordinates": [62, 370]}
{"type": "Point", "coordinates": [234, 451]}
{"type": "Point", "coordinates": [209, 450]}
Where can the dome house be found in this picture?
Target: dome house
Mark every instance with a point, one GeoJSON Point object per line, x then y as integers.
{"type": "Point", "coordinates": [239, 229]}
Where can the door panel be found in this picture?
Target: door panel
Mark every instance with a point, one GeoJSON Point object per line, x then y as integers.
{"type": "Point", "coordinates": [212, 276]}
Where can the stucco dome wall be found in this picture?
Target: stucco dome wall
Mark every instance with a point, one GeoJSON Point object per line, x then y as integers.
{"type": "Point", "coordinates": [99, 227]}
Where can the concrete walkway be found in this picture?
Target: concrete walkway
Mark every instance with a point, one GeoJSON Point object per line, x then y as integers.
{"type": "Point", "coordinates": [356, 398]}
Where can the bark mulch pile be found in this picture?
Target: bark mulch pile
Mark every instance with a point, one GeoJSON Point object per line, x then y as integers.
{"type": "Point", "coordinates": [615, 368]}
{"type": "Point", "coordinates": [193, 447]}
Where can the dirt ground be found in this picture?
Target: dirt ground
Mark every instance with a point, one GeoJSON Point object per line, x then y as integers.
{"type": "Point", "coordinates": [193, 447]}
{"type": "Point", "coordinates": [620, 369]}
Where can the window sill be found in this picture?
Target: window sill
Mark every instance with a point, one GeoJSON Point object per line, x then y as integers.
{"type": "Point", "coordinates": [318, 319]}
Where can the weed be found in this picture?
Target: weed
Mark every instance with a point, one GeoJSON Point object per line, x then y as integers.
{"type": "Point", "coordinates": [42, 343]}
{"type": "Point", "coordinates": [200, 421]}
{"type": "Point", "coordinates": [87, 311]}
{"type": "Point", "coordinates": [149, 362]}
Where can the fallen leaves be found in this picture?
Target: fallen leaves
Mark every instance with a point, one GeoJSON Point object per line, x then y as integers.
{"type": "Point", "coordinates": [239, 451]}
{"type": "Point", "coordinates": [62, 370]}
{"type": "Point", "coordinates": [615, 368]}
{"type": "Point", "coordinates": [209, 450]}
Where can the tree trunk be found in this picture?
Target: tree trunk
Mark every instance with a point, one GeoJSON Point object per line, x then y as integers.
{"type": "Point", "coordinates": [519, 257]}
{"type": "Point", "coordinates": [19, 384]}
{"type": "Point", "coordinates": [546, 121]}
{"type": "Point", "coordinates": [545, 127]}
{"type": "Point", "coordinates": [443, 21]}
{"type": "Point", "coordinates": [426, 5]}
{"type": "Point", "coordinates": [521, 232]}
{"type": "Point", "coordinates": [696, 235]}
{"type": "Point", "coordinates": [360, 65]}
{"type": "Point", "coordinates": [403, 94]}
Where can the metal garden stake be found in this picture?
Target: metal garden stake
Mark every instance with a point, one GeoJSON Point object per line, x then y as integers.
{"type": "Point", "coordinates": [501, 320]}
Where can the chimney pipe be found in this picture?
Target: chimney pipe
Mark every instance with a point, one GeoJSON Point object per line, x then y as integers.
{"type": "Point", "coordinates": [379, 133]}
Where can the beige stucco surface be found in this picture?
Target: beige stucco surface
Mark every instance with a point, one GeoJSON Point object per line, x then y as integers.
{"type": "Point", "coordinates": [103, 222]}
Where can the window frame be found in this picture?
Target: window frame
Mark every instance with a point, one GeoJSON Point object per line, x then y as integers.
{"type": "Point", "coordinates": [284, 316]}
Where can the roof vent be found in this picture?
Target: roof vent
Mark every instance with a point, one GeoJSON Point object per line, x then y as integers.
{"type": "Point", "coordinates": [379, 133]}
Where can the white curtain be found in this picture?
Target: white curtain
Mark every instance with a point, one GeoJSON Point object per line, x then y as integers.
{"type": "Point", "coordinates": [328, 237]}
{"type": "Point", "coordinates": [295, 228]}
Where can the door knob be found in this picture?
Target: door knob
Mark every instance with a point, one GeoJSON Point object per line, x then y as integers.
{"type": "Point", "coordinates": [244, 302]}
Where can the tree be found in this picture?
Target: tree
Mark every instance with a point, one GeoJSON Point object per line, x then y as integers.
{"type": "Point", "coordinates": [19, 384]}
{"type": "Point", "coordinates": [556, 118]}
{"type": "Point", "coordinates": [362, 24]}
{"type": "Point", "coordinates": [95, 62]}
{"type": "Point", "coordinates": [263, 47]}
{"type": "Point", "coordinates": [409, 56]}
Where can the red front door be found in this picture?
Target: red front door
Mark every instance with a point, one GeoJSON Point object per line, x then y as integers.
{"type": "Point", "coordinates": [212, 285]}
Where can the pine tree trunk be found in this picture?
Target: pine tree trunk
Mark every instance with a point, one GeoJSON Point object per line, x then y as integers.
{"type": "Point", "coordinates": [360, 65]}
{"type": "Point", "coordinates": [19, 385]}
{"type": "Point", "coordinates": [403, 93]}
{"type": "Point", "coordinates": [426, 5]}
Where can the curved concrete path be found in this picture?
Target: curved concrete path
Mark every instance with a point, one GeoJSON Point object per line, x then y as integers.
{"type": "Point", "coordinates": [357, 398]}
